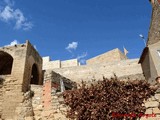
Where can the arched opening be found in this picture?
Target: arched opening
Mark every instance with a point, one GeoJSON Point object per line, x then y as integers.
{"type": "Point", "coordinates": [34, 75]}
{"type": "Point", "coordinates": [6, 62]}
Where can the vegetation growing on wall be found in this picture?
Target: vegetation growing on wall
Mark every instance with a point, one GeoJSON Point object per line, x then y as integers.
{"type": "Point", "coordinates": [108, 100]}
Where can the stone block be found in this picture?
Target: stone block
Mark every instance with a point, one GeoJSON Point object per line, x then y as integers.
{"type": "Point", "coordinates": [144, 118]}
{"type": "Point", "coordinates": [149, 111]}
{"type": "Point", "coordinates": [63, 109]}
{"type": "Point", "coordinates": [157, 97]}
{"type": "Point", "coordinates": [151, 104]}
{"type": "Point", "coordinates": [156, 110]}
{"type": "Point", "coordinates": [59, 116]}
{"type": "Point", "coordinates": [153, 98]}
{"type": "Point", "coordinates": [38, 118]}
{"type": "Point", "coordinates": [46, 113]}
{"type": "Point", "coordinates": [39, 107]}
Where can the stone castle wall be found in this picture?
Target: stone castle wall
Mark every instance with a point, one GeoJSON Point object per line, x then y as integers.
{"type": "Point", "coordinates": [46, 101]}
{"type": "Point", "coordinates": [110, 56]}
{"type": "Point", "coordinates": [15, 97]}
{"type": "Point", "coordinates": [15, 104]}
{"type": "Point", "coordinates": [123, 69]}
{"type": "Point", "coordinates": [48, 64]}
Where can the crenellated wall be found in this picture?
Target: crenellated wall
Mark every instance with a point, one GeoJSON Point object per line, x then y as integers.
{"type": "Point", "coordinates": [48, 64]}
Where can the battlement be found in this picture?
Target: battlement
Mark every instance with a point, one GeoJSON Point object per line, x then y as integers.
{"type": "Point", "coordinates": [48, 64]}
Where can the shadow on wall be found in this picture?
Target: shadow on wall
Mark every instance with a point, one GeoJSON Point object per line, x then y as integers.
{"type": "Point", "coordinates": [1, 81]}
{"type": "Point", "coordinates": [34, 75]}
{"type": "Point", "coordinates": [61, 83]}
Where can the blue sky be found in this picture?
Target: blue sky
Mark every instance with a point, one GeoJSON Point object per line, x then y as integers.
{"type": "Point", "coordinates": [66, 29]}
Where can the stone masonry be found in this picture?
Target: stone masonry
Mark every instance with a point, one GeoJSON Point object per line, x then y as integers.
{"type": "Point", "coordinates": [20, 65]}
{"type": "Point", "coordinates": [125, 69]}
{"type": "Point", "coordinates": [34, 100]}
{"type": "Point", "coordinates": [110, 56]}
{"type": "Point", "coordinates": [48, 64]}
{"type": "Point", "coordinates": [31, 87]}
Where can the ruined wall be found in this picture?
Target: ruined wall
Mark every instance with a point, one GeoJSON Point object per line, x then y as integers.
{"type": "Point", "coordinates": [37, 100]}
{"type": "Point", "coordinates": [46, 102]}
{"type": "Point", "coordinates": [110, 56]}
{"type": "Point", "coordinates": [50, 105]}
{"type": "Point", "coordinates": [58, 107]}
{"type": "Point", "coordinates": [123, 69]}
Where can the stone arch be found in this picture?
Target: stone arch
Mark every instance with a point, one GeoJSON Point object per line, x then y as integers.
{"type": "Point", "coordinates": [34, 75]}
{"type": "Point", "coordinates": [6, 62]}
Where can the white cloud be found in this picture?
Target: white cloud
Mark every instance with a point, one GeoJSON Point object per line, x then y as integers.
{"type": "Point", "coordinates": [14, 42]}
{"type": "Point", "coordinates": [72, 46]}
{"type": "Point", "coordinates": [8, 14]}
{"type": "Point", "coordinates": [81, 58]}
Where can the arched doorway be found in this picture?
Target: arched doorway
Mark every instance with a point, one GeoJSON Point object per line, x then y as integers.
{"type": "Point", "coordinates": [6, 62]}
{"type": "Point", "coordinates": [34, 75]}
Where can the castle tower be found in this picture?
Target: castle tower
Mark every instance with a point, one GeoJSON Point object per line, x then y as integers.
{"type": "Point", "coordinates": [154, 32]}
{"type": "Point", "coordinates": [150, 58]}
{"type": "Point", "coordinates": [20, 66]}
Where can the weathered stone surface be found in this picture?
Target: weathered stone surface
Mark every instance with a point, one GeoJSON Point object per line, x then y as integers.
{"type": "Point", "coordinates": [125, 69]}
{"type": "Point", "coordinates": [110, 56]}
{"type": "Point", "coordinates": [149, 111]}
{"type": "Point", "coordinates": [151, 104]}
{"type": "Point", "coordinates": [17, 102]}
{"type": "Point", "coordinates": [157, 97]}
{"type": "Point", "coordinates": [156, 110]}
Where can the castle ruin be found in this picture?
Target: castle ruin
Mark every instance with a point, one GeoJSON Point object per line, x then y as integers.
{"type": "Point", "coordinates": [31, 86]}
